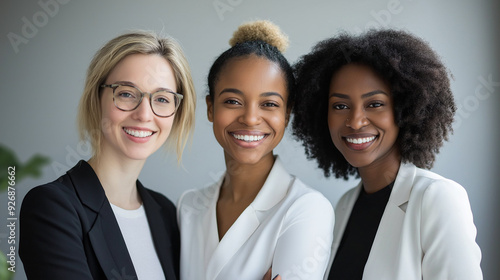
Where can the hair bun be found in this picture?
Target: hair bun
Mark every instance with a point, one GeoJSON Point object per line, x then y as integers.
{"type": "Point", "coordinates": [262, 30]}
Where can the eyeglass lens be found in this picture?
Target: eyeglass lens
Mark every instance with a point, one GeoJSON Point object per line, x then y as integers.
{"type": "Point", "coordinates": [163, 103]}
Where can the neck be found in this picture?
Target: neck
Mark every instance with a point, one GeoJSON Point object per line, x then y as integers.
{"type": "Point", "coordinates": [118, 178]}
{"type": "Point", "coordinates": [381, 173]}
{"type": "Point", "coordinates": [243, 182]}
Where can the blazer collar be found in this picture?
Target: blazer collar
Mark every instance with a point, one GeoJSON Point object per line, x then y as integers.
{"type": "Point", "coordinates": [386, 242]}
{"type": "Point", "coordinates": [87, 185]}
{"type": "Point", "coordinates": [157, 224]}
{"type": "Point", "coordinates": [272, 192]}
{"type": "Point", "coordinates": [402, 186]}
{"type": "Point", "coordinates": [105, 234]}
{"type": "Point", "coordinates": [274, 189]}
{"type": "Point", "coordinates": [391, 219]}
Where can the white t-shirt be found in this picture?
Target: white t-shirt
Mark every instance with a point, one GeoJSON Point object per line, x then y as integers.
{"type": "Point", "coordinates": [137, 235]}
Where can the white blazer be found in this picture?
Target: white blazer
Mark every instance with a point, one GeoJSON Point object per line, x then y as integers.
{"type": "Point", "coordinates": [426, 231]}
{"type": "Point", "coordinates": [288, 226]}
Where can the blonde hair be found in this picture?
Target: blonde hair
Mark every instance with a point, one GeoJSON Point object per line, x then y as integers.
{"type": "Point", "coordinates": [104, 61]}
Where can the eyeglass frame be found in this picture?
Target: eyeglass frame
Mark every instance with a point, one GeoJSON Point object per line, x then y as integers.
{"type": "Point", "coordinates": [115, 86]}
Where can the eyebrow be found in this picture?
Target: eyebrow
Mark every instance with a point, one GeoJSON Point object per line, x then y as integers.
{"type": "Point", "coordinates": [127, 83]}
{"type": "Point", "coordinates": [264, 94]}
{"type": "Point", "coordinates": [365, 95]}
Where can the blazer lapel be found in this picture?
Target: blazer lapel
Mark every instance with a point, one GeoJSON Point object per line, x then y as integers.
{"type": "Point", "coordinates": [272, 192]}
{"type": "Point", "coordinates": [342, 215]}
{"type": "Point", "coordinates": [385, 249]}
{"type": "Point", "coordinates": [109, 246]}
{"type": "Point", "coordinates": [232, 241]}
{"type": "Point", "coordinates": [104, 234]}
{"type": "Point", "coordinates": [161, 237]}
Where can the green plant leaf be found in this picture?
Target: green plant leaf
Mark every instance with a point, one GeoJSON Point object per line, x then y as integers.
{"type": "Point", "coordinates": [4, 268]}
{"type": "Point", "coordinates": [33, 168]}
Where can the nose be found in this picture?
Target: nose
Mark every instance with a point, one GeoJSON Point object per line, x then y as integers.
{"type": "Point", "coordinates": [144, 112]}
{"type": "Point", "coordinates": [250, 116]}
{"type": "Point", "coordinates": [357, 119]}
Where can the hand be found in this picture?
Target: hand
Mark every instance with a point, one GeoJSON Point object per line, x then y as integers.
{"type": "Point", "coordinates": [269, 275]}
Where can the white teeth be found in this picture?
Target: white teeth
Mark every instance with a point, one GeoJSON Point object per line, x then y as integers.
{"type": "Point", "coordinates": [248, 138]}
{"type": "Point", "coordinates": [138, 133]}
{"type": "Point", "coordinates": [360, 140]}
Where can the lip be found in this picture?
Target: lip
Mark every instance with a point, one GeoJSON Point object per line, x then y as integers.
{"type": "Point", "coordinates": [140, 133]}
{"type": "Point", "coordinates": [359, 142]}
{"type": "Point", "coordinates": [248, 138]}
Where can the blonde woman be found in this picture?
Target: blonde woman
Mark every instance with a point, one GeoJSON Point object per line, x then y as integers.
{"type": "Point", "coordinates": [98, 221]}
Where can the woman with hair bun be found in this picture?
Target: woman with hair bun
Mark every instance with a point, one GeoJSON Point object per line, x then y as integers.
{"type": "Point", "coordinates": [257, 216]}
{"type": "Point", "coordinates": [379, 106]}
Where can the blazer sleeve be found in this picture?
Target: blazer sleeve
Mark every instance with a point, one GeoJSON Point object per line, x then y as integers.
{"type": "Point", "coordinates": [448, 234]}
{"type": "Point", "coordinates": [51, 235]}
{"type": "Point", "coordinates": [303, 249]}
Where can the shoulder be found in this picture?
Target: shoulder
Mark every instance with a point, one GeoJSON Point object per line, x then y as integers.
{"type": "Point", "coordinates": [194, 204]}
{"type": "Point", "coordinates": [198, 197]}
{"type": "Point", "coordinates": [47, 203]}
{"type": "Point", "coordinates": [436, 197]}
{"type": "Point", "coordinates": [306, 213]}
{"type": "Point", "coordinates": [308, 200]}
{"type": "Point", "coordinates": [430, 184]}
{"type": "Point", "coordinates": [58, 191]}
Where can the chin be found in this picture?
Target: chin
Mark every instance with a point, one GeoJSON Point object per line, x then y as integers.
{"type": "Point", "coordinates": [247, 159]}
{"type": "Point", "coordinates": [357, 163]}
{"type": "Point", "coordinates": [138, 155]}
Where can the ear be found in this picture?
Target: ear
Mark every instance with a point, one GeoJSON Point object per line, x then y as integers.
{"type": "Point", "coordinates": [210, 108]}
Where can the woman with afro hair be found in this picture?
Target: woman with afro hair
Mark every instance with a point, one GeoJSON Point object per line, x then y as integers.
{"type": "Point", "coordinates": [378, 106]}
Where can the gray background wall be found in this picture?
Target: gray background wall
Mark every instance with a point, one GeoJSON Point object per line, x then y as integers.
{"type": "Point", "coordinates": [41, 79]}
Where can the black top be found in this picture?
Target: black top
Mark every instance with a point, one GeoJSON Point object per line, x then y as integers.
{"type": "Point", "coordinates": [68, 231]}
{"type": "Point", "coordinates": [359, 234]}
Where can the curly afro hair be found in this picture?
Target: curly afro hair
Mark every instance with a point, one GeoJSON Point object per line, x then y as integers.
{"type": "Point", "coordinates": [423, 102]}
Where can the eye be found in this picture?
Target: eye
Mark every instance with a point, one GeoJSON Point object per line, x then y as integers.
{"type": "Point", "coordinates": [232, 102]}
{"type": "Point", "coordinates": [340, 107]}
{"type": "Point", "coordinates": [162, 99]}
{"type": "Point", "coordinates": [375, 104]}
{"type": "Point", "coordinates": [126, 94]}
{"type": "Point", "coordinates": [270, 104]}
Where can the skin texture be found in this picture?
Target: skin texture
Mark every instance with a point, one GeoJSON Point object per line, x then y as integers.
{"type": "Point", "coordinates": [250, 99]}
{"type": "Point", "coordinates": [423, 102]}
{"type": "Point", "coordinates": [133, 69]}
{"type": "Point", "coordinates": [122, 155]}
{"type": "Point", "coordinates": [360, 107]}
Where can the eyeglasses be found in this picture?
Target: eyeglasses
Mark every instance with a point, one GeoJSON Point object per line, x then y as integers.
{"type": "Point", "coordinates": [164, 103]}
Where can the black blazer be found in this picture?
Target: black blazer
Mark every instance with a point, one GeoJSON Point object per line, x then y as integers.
{"type": "Point", "coordinates": [68, 231]}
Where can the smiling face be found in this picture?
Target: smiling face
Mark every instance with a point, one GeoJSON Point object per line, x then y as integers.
{"type": "Point", "coordinates": [361, 117]}
{"type": "Point", "coordinates": [249, 109]}
{"type": "Point", "coordinates": [139, 133]}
